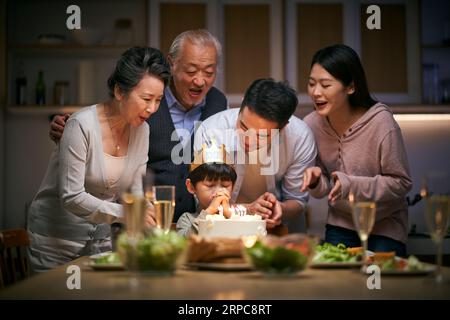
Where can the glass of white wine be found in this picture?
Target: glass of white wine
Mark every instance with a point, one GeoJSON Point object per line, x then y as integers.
{"type": "Point", "coordinates": [436, 192]}
{"type": "Point", "coordinates": [135, 209]}
{"type": "Point", "coordinates": [363, 213]}
{"type": "Point", "coordinates": [164, 203]}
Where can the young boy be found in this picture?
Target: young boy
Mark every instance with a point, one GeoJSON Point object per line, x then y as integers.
{"type": "Point", "coordinates": [211, 184]}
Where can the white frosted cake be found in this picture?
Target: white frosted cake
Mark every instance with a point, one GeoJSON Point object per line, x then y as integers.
{"type": "Point", "coordinates": [238, 225]}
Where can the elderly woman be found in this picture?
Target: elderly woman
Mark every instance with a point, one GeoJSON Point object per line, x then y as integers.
{"type": "Point", "coordinates": [103, 149]}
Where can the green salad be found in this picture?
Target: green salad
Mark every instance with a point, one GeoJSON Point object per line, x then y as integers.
{"type": "Point", "coordinates": [411, 264]}
{"type": "Point", "coordinates": [414, 264]}
{"type": "Point", "coordinates": [157, 251]}
{"type": "Point", "coordinates": [112, 258]}
{"type": "Point", "coordinates": [279, 259]}
{"type": "Point", "coordinates": [331, 253]}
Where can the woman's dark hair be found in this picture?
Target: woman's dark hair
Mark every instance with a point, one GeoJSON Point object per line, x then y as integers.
{"type": "Point", "coordinates": [274, 101]}
{"type": "Point", "coordinates": [343, 63]}
{"type": "Point", "coordinates": [212, 172]}
{"type": "Point", "coordinates": [134, 64]}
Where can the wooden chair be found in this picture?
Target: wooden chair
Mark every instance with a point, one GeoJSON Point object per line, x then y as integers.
{"type": "Point", "coordinates": [13, 256]}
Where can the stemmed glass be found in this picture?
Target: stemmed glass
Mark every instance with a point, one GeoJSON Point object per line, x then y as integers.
{"type": "Point", "coordinates": [363, 213]}
{"type": "Point", "coordinates": [436, 192]}
{"type": "Point", "coordinates": [135, 208]}
{"type": "Point", "coordinates": [164, 202]}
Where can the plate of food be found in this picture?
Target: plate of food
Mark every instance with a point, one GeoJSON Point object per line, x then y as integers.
{"type": "Point", "coordinates": [396, 266]}
{"type": "Point", "coordinates": [328, 255]}
{"type": "Point", "coordinates": [221, 254]}
{"type": "Point", "coordinates": [105, 261]}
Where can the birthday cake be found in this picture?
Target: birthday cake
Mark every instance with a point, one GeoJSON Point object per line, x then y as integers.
{"type": "Point", "coordinates": [239, 224]}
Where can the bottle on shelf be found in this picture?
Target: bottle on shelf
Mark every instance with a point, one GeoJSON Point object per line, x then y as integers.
{"type": "Point", "coordinates": [61, 93]}
{"type": "Point", "coordinates": [21, 87]}
{"type": "Point", "coordinates": [124, 34]}
{"type": "Point", "coordinates": [40, 89]}
{"type": "Point", "coordinates": [430, 83]}
{"type": "Point", "coordinates": [445, 84]}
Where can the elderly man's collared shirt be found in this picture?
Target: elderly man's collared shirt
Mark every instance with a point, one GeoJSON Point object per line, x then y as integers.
{"type": "Point", "coordinates": [183, 119]}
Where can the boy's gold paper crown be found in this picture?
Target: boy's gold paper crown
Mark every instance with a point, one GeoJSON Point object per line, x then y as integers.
{"type": "Point", "coordinates": [209, 154]}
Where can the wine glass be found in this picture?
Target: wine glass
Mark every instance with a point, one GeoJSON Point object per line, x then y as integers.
{"type": "Point", "coordinates": [164, 203]}
{"type": "Point", "coordinates": [135, 209]}
{"type": "Point", "coordinates": [436, 192]}
{"type": "Point", "coordinates": [363, 213]}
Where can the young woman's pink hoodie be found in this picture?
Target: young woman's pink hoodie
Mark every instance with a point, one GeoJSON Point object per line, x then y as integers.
{"type": "Point", "coordinates": [369, 159]}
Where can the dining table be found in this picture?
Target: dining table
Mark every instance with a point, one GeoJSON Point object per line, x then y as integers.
{"type": "Point", "coordinates": [197, 284]}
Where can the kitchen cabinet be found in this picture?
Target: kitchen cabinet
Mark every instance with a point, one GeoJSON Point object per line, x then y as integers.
{"type": "Point", "coordinates": [38, 39]}
{"type": "Point", "coordinates": [390, 55]}
{"type": "Point", "coordinates": [435, 50]}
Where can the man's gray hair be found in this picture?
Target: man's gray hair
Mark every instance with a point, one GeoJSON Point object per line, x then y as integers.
{"type": "Point", "coordinates": [199, 37]}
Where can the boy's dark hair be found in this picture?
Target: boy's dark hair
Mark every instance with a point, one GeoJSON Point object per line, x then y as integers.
{"type": "Point", "coordinates": [212, 172]}
{"type": "Point", "coordinates": [274, 101]}
{"type": "Point", "coordinates": [134, 64]}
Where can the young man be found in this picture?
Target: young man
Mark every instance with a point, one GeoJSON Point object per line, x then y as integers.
{"type": "Point", "coordinates": [271, 150]}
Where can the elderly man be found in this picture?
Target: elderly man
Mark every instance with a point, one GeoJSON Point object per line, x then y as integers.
{"type": "Point", "coordinates": [271, 149]}
{"type": "Point", "coordinates": [191, 97]}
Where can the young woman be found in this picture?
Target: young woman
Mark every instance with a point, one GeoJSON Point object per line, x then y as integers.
{"type": "Point", "coordinates": [104, 147]}
{"type": "Point", "coordinates": [360, 151]}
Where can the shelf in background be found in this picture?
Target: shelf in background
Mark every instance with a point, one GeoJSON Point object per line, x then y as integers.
{"type": "Point", "coordinates": [67, 50]}
{"type": "Point", "coordinates": [304, 109]}
{"type": "Point", "coordinates": [436, 46]}
{"type": "Point", "coordinates": [421, 108]}
{"type": "Point", "coordinates": [41, 110]}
